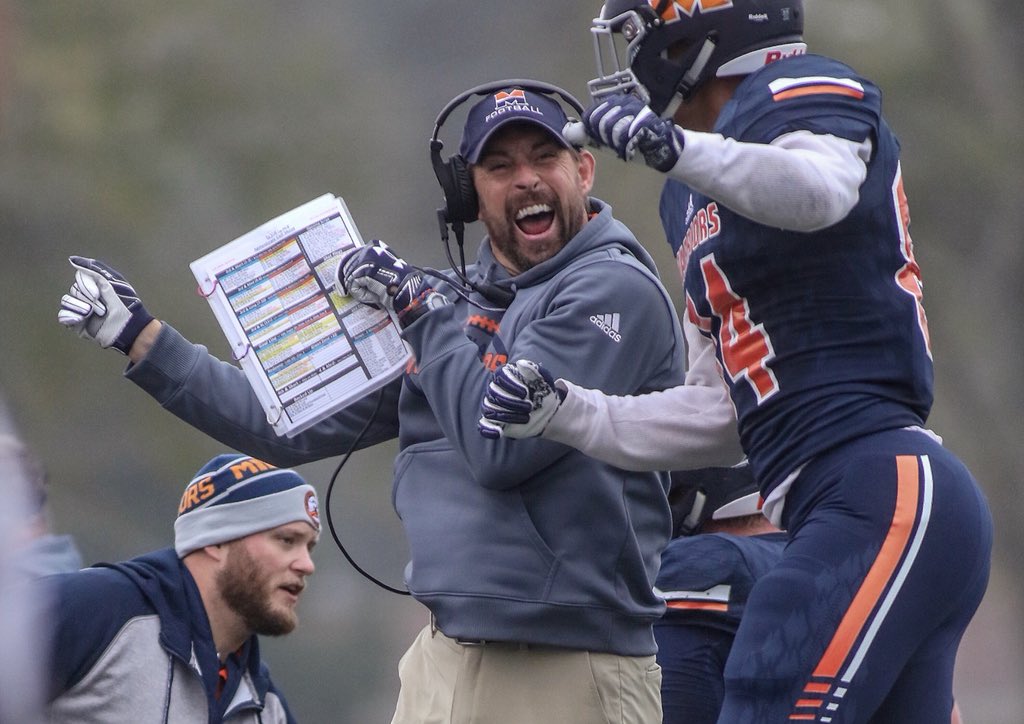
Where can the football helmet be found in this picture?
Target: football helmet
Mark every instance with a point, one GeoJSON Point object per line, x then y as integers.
{"type": "Point", "coordinates": [664, 50]}
{"type": "Point", "coordinates": [697, 496]}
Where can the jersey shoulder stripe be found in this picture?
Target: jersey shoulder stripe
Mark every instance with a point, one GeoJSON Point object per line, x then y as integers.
{"type": "Point", "coordinates": [807, 92]}
{"type": "Point", "coordinates": [786, 88]}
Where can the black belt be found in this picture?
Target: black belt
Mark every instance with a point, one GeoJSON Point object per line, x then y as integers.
{"type": "Point", "coordinates": [478, 642]}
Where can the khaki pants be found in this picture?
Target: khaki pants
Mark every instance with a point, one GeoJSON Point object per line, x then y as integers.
{"type": "Point", "coordinates": [444, 682]}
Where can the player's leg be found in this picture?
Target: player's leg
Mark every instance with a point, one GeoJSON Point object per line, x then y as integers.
{"type": "Point", "coordinates": [692, 656]}
{"type": "Point", "coordinates": [949, 580]}
{"type": "Point", "coordinates": [794, 611]}
{"type": "Point", "coordinates": [827, 633]}
{"type": "Point", "coordinates": [790, 616]}
{"type": "Point", "coordinates": [915, 695]}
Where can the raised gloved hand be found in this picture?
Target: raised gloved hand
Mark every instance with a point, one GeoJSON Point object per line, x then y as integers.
{"type": "Point", "coordinates": [102, 306]}
{"type": "Point", "coordinates": [375, 275]}
{"type": "Point", "coordinates": [520, 401]}
{"type": "Point", "coordinates": [623, 123]}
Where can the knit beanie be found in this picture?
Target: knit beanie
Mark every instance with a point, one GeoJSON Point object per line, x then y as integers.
{"type": "Point", "coordinates": [234, 495]}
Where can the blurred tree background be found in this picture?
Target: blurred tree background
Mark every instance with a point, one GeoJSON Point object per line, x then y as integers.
{"type": "Point", "coordinates": [149, 133]}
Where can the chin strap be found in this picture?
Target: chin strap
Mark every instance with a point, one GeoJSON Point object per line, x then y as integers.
{"type": "Point", "coordinates": [696, 69]}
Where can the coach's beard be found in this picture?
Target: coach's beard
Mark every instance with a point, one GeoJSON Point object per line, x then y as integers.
{"type": "Point", "coordinates": [527, 240]}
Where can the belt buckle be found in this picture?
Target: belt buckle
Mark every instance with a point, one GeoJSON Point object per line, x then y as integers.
{"type": "Point", "coordinates": [434, 629]}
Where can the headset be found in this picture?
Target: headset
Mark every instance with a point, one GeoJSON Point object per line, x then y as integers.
{"type": "Point", "coordinates": [461, 205]}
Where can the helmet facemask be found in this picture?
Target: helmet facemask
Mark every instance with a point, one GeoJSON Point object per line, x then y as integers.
{"type": "Point", "coordinates": [630, 58]}
{"type": "Point", "coordinates": [616, 41]}
{"type": "Point", "coordinates": [664, 54]}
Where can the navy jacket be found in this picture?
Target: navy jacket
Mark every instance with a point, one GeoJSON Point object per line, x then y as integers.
{"type": "Point", "coordinates": [132, 643]}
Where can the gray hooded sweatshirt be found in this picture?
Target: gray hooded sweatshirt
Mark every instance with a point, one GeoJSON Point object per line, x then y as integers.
{"type": "Point", "coordinates": [527, 541]}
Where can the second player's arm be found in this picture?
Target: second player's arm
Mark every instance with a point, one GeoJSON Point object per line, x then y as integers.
{"type": "Point", "coordinates": [687, 426]}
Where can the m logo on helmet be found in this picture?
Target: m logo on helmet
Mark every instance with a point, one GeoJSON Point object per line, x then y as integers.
{"type": "Point", "coordinates": [688, 7]}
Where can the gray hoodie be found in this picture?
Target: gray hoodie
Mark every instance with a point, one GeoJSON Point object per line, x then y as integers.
{"type": "Point", "coordinates": [527, 540]}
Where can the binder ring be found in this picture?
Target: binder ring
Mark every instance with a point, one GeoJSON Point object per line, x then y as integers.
{"type": "Point", "coordinates": [245, 351]}
{"type": "Point", "coordinates": [277, 419]}
{"type": "Point", "coordinates": [203, 294]}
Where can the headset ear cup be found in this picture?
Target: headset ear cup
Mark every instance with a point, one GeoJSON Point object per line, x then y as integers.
{"type": "Point", "coordinates": [463, 204]}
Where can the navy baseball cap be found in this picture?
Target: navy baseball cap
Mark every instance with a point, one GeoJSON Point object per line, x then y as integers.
{"type": "Point", "coordinates": [507, 106]}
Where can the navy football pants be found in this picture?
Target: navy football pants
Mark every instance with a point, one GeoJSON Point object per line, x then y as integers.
{"type": "Point", "coordinates": [888, 560]}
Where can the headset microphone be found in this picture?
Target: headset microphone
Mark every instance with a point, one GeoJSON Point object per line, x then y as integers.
{"type": "Point", "coordinates": [491, 292]}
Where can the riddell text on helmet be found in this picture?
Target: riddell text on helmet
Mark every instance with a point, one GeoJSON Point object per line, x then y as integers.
{"type": "Point", "coordinates": [774, 55]}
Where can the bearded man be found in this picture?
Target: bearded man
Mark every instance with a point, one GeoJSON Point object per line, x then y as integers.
{"type": "Point", "coordinates": [171, 636]}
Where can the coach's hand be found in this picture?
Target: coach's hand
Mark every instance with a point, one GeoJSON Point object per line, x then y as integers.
{"type": "Point", "coordinates": [375, 275]}
{"type": "Point", "coordinates": [520, 401]}
{"type": "Point", "coordinates": [102, 306]}
{"type": "Point", "coordinates": [627, 126]}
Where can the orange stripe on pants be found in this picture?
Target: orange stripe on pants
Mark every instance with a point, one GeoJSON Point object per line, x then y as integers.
{"type": "Point", "coordinates": [878, 577]}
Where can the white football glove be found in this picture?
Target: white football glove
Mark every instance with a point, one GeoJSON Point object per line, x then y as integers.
{"type": "Point", "coordinates": [626, 125]}
{"type": "Point", "coordinates": [102, 306]}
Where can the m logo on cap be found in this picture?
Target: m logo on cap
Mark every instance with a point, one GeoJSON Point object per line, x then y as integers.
{"type": "Point", "coordinates": [513, 101]}
{"type": "Point", "coordinates": [517, 95]}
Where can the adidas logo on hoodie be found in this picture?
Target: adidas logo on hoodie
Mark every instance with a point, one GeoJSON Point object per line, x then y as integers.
{"type": "Point", "coordinates": [609, 324]}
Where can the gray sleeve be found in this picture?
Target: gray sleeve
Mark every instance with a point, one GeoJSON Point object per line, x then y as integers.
{"type": "Point", "coordinates": [689, 426]}
{"type": "Point", "coordinates": [215, 397]}
{"type": "Point", "coordinates": [801, 181]}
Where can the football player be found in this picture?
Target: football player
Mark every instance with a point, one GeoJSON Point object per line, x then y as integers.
{"type": "Point", "coordinates": [784, 204]}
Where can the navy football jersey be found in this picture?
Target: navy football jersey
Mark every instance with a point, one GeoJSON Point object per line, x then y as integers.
{"type": "Point", "coordinates": [705, 581]}
{"type": "Point", "coordinates": [821, 336]}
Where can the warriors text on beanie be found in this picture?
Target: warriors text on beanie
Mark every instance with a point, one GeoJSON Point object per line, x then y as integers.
{"type": "Point", "coordinates": [234, 495]}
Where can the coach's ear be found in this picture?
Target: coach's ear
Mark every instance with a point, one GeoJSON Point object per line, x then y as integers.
{"type": "Point", "coordinates": [586, 171]}
{"type": "Point", "coordinates": [217, 551]}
